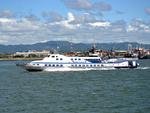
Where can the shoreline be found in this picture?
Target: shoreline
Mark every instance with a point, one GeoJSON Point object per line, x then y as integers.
{"type": "Point", "coordinates": [19, 59]}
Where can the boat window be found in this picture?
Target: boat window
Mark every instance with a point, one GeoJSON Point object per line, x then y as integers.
{"type": "Point", "coordinates": [49, 65]}
{"type": "Point", "coordinates": [53, 56]}
{"type": "Point", "coordinates": [45, 64]}
{"type": "Point", "coordinates": [75, 59]}
{"type": "Point", "coordinates": [72, 65]}
{"type": "Point", "coordinates": [87, 65]}
{"type": "Point", "coordinates": [37, 64]}
{"type": "Point", "coordinates": [57, 65]}
{"type": "Point", "coordinates": [56, 58]}
{"type": "Point", "coordinates": [61, 65]}
{"type": "Point", "coordinates": [79, 65]}
{"type": "Point", "coordinates": [71, 58]}
{"type": "Point", "coordinates": [61, 59]}
{"type": "Point", "coordinates": [53, 65]}
{"type": "Point", "coordinates": [83, 65]}
{"type": "Point", "coordinates": [97, 65]}
{"type": "Point", "coordinates": [90, 65]}
{"type": "Point", "coordinates": [79, 59]}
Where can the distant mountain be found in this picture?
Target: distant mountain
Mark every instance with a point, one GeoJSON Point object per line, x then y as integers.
{"type": "Point", "coordinates": [64, 46]}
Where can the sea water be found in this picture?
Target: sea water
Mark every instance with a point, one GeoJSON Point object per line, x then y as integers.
{"type": "Point", "coordinates": [101, 91]}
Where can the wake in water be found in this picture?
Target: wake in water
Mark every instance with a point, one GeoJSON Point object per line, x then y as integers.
{"type": "Point", "coordinates": [143, 68]}
{"type": "Point", "coordinates": [91, 69]}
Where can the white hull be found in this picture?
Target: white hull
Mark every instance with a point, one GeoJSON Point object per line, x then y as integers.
{"type": "Point", "coordinates": [70, 68]}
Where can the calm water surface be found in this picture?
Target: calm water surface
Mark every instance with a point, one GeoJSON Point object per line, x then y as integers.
{"type": "Point", "coordinates": [103, 91]}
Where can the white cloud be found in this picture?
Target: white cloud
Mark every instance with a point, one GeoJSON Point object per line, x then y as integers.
{"type": "Point", "coordinates": [52, 16]}
{"type": "Point", "coordinates": [100, 24]}
{"type": "Point", "coordinates": [7, 20]}
{"type": "Point", "coordinates": [78, 4]}
{"type": "Point", "coordinates": [70, 17]}
{"type": "Point", "coordinates": [18, 25]}
{"type": "Point", "coordinates": [6, 14]}
{"type": "Point", "coordinates": [66, 23]}
{"type": "Point", "coordinates": [102, 6]}
{"type": "Point", "coordinates": [131, 28]}
{"type": "Point", "coordinates": [87, 5]}
{"type": "Point", "coordinates": [3, 41]}
{"type": "Point", "coordinates": [78, 28]}
{"type": "Point", "coordinates": [139, 26]}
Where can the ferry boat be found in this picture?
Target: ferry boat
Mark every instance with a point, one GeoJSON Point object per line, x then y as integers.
{"type": "Point", "coordinates": [58, 62]}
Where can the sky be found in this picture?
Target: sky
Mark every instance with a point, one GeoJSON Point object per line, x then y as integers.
{"type": "Point", "coordinates": [78, 21]}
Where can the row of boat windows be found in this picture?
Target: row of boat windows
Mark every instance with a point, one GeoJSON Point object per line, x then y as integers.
{"type": "Point", "coordinates": [62, 59]}
{"type": "Point", "coordinates": [51, 65]}
{"type": "Point", "coordinates": [76, 59]}
{"type": "Point", "coordinates": [59, 59]}
{"type": "Point", "coordinates": [56, 57]}
{"type": "Point", "coordinates": [87, 65]}
{"type": "Point", "coordinates": [74, 65]}
{"type": "Point", "coordinates": [71, 59]}
{"type": "Point", "coordinates": [52, 56]}
{"type": "Point", "coordinates": [54, 65]}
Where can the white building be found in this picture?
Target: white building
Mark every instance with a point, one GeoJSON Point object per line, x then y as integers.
{"type": "Point", "coordinates": [33, 52]}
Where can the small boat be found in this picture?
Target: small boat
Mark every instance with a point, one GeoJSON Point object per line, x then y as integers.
{"type": "Point", "coordinates": [58, 62]}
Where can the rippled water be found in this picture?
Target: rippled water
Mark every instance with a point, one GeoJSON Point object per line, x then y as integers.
{"type": "Point", "coordinates": [103, 91]}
